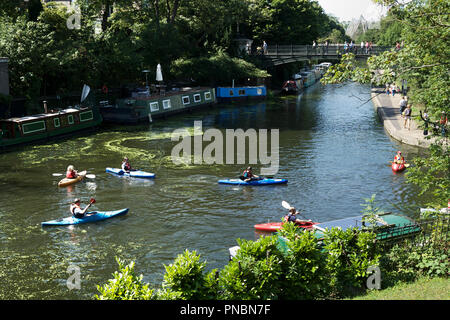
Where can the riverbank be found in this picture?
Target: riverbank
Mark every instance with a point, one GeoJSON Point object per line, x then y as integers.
{"type": "Point", "coordinates": [422, 289]}
{"type": "Point", "coordinates": [387, 107]}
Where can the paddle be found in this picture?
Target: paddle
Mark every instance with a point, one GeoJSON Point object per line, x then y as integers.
{"type": "Point", "coordinates": [288, 207]}
{"type": "Point", "coordinates": [89, 176]}
{"type": "Point", "coordinates": [407, 165]}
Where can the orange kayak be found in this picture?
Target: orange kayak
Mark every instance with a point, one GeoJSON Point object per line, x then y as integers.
{"type": "Point", "coordinates": [67, 182]}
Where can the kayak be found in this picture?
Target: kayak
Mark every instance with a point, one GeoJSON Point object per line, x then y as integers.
{"type": "Point", "coordinates": [96, 216]}
{"type": "Point", "coordinates": [398, 167]}
{"type": "Point", "coordinates": [262, 182]}
{"type": "Point", "coordinates": [134, 174]}
{"type": "Point", "coordinates": [275, 226]}
{"type": "Point", "coordinates": [67, 182]}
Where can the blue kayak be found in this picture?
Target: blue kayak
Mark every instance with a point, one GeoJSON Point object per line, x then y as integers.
{"type": "Point", "coordinates": [134, 174]}
{"type": "Point", "coordinates": [96, 216]}
{"type": "Point", "coordinates": [262, 182]}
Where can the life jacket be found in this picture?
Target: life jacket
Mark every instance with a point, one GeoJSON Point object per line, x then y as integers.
{"type": "Point", "coordinates": [73, 206]}
{"type": "Point", "coordinates": [443, 120]}
{"type": "Point", "coordinates": [126, 166]}
{"type": "Point", "coordinates": [71, 175]}
{"type": "Point", "coordinates": [247, 174]}
{"type": "Point", "coordinates": [399, 158]}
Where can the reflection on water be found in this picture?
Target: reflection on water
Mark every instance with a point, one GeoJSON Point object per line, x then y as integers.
{"type": "Point", "coordinates": [333, 151]}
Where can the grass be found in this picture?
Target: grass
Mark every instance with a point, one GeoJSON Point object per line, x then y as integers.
{"type": "Point", "coordinates": [422, 289]}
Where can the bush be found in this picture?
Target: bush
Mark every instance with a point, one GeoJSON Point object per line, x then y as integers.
{"type": "Point", "coordinates": [350, 253]}
{"type": "Point", "coordinates": [185, 279]}
{"type": "Point", "coordinates": [125, 285]}
{"type": "Point", "coordinates": [263, 270]}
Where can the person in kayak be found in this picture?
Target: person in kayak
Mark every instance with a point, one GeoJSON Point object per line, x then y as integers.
{"type": "Point", "coordinates": [399, 159]}
{"type": "Point", "coordinates": [126, 166]}
{"type": "Point", "coordinates": [292, 217]}
{"type": "Point", "coordinates": [76, 211]}
{"type": "Point", "coordinates": [248, 175]}
{"type": "Point", "coordinates": [71, 173]}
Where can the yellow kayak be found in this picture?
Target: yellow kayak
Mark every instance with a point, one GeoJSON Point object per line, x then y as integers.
{"type": "Point", "coordinates": [67, 182]}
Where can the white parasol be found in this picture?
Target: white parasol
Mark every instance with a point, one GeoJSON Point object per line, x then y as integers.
{"type": "Point", "coordinates": [159, 76]}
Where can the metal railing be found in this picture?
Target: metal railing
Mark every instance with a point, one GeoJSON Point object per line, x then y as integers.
{"type": "Point", "coordinates": [423, 232]}
{"type": "Point", "coordinates": [319, 50]}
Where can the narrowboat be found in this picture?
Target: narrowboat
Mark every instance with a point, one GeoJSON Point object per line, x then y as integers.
{"type": "Point", "coordinates": [22, 130]}
{"type": "Point", "coordinates": [309, 78]}
{"type": "Point", "coordinates": [240, 93]}
{"type": "Point", "coordinates": [142, 107]}
{"type": "Point", "coordinates": [291, 87]}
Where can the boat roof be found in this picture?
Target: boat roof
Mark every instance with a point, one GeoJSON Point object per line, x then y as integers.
{"type": "Point", "coordinates": [41, 116]}
{"type": "Point", "coordinates": [344, 224]}
{"type": "Point", "coordinates": [168, 93]}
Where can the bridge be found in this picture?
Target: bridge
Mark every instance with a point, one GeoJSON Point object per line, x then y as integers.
{"type": "Point", "coordinates": [281, 54]}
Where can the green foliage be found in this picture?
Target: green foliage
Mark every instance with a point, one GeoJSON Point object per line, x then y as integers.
{"type": "Point", "coordinates": [350, 253]}
{"type": "Point", "coordinates": [423, 62]}
{"type": "Point", "coordinates": [125, 285]}
{"type": "Point", "coordinates": [370, 212]}
{"type": "Point", "coordinates": [206, 69]}
{"type": "Point", "coordinates": [255, 271]}
{"type": "Point", "coordinates": [263, 270]}
{"type": "Point", "coordinates": [184, 279]}
{"type": "Point", "coordinates": [432, 174]}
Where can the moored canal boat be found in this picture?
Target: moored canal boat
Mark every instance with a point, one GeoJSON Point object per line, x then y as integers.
{"type": "Point", "coordinates": [145, 107]}
{"type": "Point", "coordinates": [22, 130]}
{"type": "Point", "coordinates": [240, 93]}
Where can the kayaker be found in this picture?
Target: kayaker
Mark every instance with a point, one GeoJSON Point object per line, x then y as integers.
{"type": "Point", "coordinates": [248, 175]}
{"type": "Point", "coordinates": [71, 173]}
{"type": "Point", "coordinates": [292, 216]}
{"type": "Point", "coordinates": [75, 209]}
{"type": "Point", "coordinates": [399, 158]}
{"type": "Point", "coordinates": [126, 166]}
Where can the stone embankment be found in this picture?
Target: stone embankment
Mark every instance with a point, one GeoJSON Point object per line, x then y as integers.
{"type": "Point", "coordinates": [388, 109]}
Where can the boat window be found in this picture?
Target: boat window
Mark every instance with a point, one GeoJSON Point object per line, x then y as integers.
{"type": "Point", "coordinates": [154, 106]}
{"type": "Point", "coordinates": [207, 95]}
{"type": "Point", "coordinates": [56, 122]}
{"type": "Point", "coordinates": [259, 91]}
{"type": "Point", "coordinates": [231, 93]}
{"type": "Point", "coordinates": [241, 92]}
{"type": "Point", "coordinates": [86, 116]}
{"type": "Point", "coordinates": [32, 127]}
{"type": "Point", "coordinates": [70, 119]}
{"type": "Point", "coordinates": [197, 98]}
{"type": "Point", "coordinates": [186, 100]}
{"type": "Point", "coordinates": [167, 104]}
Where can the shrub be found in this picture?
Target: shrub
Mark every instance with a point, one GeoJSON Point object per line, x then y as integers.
{"type": "Point", "coordinates": [350, 253]}
{"type": "Point", "coordinates": [185, 279]}
{"type": "Point", "coordinates": [125, 285]}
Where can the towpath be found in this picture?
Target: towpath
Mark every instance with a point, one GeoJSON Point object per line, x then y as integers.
{"type": "Point", "coordinates": [388, 109]}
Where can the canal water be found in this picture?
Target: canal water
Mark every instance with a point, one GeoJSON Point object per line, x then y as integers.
{"type": "Point", "coordinates": [333, 150]}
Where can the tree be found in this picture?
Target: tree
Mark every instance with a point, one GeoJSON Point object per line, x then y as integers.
{"type": "Point", "coordinates": [423, 61]}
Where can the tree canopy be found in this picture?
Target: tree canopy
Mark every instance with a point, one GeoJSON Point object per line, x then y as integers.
{"type": "Point", "coordinates": [118, 39]}
{"type": "Point", "coordinates": [423, 61]}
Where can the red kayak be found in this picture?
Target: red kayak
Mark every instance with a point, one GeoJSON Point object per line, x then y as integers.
{"type": "Point", "coordinates": [398, 167]}
{"type": "Point", "coordinates": [275, 226]}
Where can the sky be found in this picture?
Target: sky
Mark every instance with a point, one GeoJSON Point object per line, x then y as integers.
{"type": "Point", "coordinates": [346, 10]}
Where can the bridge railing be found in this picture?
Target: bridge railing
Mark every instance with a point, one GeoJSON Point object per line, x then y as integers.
{"type": "Point", "coordinates": [321, 50]}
